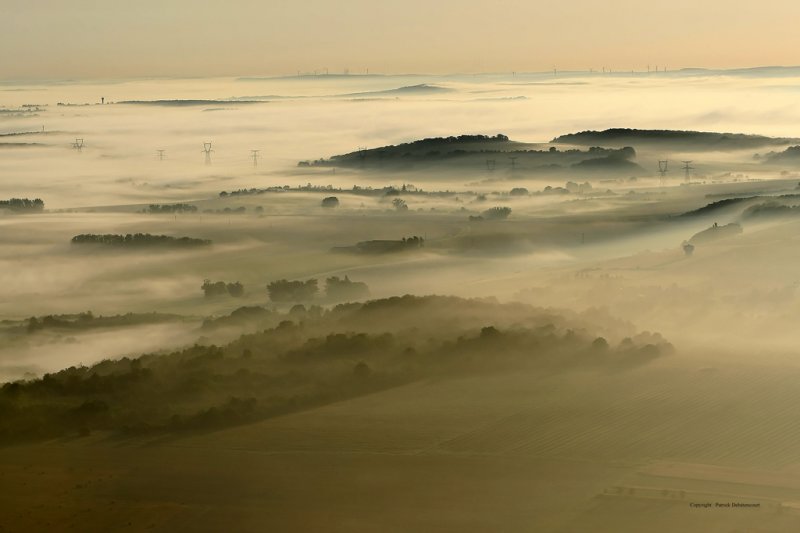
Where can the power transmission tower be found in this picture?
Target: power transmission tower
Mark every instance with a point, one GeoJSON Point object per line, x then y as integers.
{"type": "Point", "coordinates": [160, 154]}
{"type": "Point", "coordinates": [687, 168]}
{"type": "Point", "coordinates": [513, 162]}
{"type": "Point", "coordinates": [207, 150]}
{"type": "Point", "coordinates": [255, 156]}
{"type": "Point", "coordinates": [662, 169]}
{"type": "Point", "coordinates": [78, 145]}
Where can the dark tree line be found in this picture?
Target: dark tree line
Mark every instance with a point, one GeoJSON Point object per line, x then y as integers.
{"type": "Point", "coordinates": [171, 208]}
{"type": "Point", "coordinates": [22, 205]}
{"type": "Point", "coordinates": [88, 320]}
{"type": "Point", "coordinates": [241, 210]}
{"type": "Point", "coordinates": [336, 289]}
{"type": "Point", "coordinates": [292, 291]}
{"type": "Point", "coordinates": [138, 240]}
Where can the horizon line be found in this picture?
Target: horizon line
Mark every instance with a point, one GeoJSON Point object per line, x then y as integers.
{"type": "Point", "coordinates": [315, 75]}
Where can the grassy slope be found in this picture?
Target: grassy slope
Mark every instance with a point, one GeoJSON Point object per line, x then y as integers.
{"type": "Point", "coordinates": [511, 453]}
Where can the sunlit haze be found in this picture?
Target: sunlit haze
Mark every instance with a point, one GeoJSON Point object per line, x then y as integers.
{"type": "Point", "coordinates": [88, 39]}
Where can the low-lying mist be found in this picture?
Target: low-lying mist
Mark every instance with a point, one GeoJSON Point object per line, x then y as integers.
{"type": "Point", "coordinates": [485, 225]}
{"type": "Point", "coordinates": [383, 293]}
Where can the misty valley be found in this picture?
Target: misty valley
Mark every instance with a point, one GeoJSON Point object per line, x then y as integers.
{"type": "Point", "coordinates": [528, 302]}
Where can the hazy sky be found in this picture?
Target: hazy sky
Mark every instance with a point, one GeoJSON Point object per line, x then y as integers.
{"type": "Point", "coordinates": [119, 38]}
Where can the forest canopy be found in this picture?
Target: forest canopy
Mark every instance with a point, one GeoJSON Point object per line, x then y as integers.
{"type": "Point", "coordinates": [306, 358]}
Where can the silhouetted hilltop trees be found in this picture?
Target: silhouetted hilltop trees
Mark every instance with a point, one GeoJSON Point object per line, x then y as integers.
{"type": "Point", "coordinates": [338, 290]}
{"type": "Point", "coordinates": [688, 140]}
{"type": "Point", "coordinates": [423, 148]}
{"type": "Point", "coordinates": [471, 152]}
{"type": "Point", "coordinates": [423, 145]}
{"type": "Point", "coordinates": [307, 358]}
{"type": "Point", "coordinates": [283, 291]}
{"type": "Point", "coordinates": [22, 205]}
{"type": "Point", "coordinates": [171, 208]}
{"type": "Point", "coordinates": [138, 240]}
{"type": "Point", "coordinates": [220, 288]}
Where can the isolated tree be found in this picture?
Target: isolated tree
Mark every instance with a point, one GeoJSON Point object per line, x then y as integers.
{"type": "Point", "coordinates": [330, 201]}
{"type": "Point", "coordinates": [600, 344]}
{"type": "Point", "coordinates": [400, 204]}
{"type": "Point", "coordinates": [497, 213]}
{"type": "Point", "coordinates": [235, 289]}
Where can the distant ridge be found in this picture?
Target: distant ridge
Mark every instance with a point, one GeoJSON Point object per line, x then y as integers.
{"type": "Point", "coordinates": [763, 72]}
{"type": "Point", "coordinates": [410, 90]}
{"type": "Point", "coordinates": [310, 76]}
{"type": "Point", "coordinates": [682, 139]}
{"type": "Point", "coordinates": [422, 88]}
{"type": "Point", "coordinates": [187, 103]}
{"type": "Point", "coordinates": [37, 132]}
{"type": "Point", "coordinates": [714, 207]}
{"type": "Point", "coordinates": [789, 156]}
